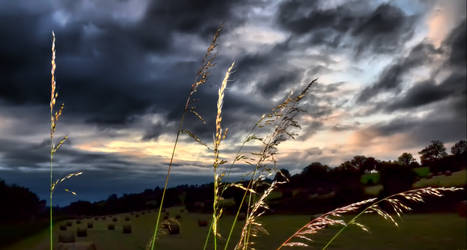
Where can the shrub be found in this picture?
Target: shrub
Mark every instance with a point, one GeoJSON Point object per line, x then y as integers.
{"type": "Point", "coordinates": [69, 223]}
{"type": "Point", "coordinates": [111, 227]}
{"type": "Point", "coordinates": [127, 219]}
{"type": "Point", "coordinates": [90, 225]}
{"type": "Point", "coordinates": [62, 227]}
{"type": "Point", "coordinates": [396, 178]}
{"type": "Point", "coordinates": [178, 216]}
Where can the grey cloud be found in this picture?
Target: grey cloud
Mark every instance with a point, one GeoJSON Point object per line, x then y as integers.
{"type": "Point", "coordinates": [391, 77]}
{"type": "Point", "coordinates": [382, 30]}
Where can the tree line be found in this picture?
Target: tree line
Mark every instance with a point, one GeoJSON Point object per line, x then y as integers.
{"type": "Point", "coordinates": [315, 180]}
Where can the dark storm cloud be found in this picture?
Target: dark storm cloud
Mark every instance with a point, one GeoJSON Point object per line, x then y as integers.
{"type": "Point", "coordinates": [381, 30]}
{"type": "Point", "coordinates": [427, 92]}
{"type": "Point", "coordinates": [104, 68]}
{"type": "Point", "coordinates": [455, 44]}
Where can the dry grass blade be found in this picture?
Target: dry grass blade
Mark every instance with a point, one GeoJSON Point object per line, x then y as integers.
{"type": "Point", "coordinates": [67, 177]}
{"type": "Point", "coordinates": [194, 137]}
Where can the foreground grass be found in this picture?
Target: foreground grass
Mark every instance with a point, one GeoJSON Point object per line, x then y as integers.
{"type": "Point", "coordinates": [417, 231]}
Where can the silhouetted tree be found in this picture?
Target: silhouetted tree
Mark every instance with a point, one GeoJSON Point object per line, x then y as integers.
{"type": "Point", "coordinates": [395, 178]}
{"type": "Point", "coordinates": [282, 175]}
{"type": "Point", "coordinates": [432, 152]}
{"type": "Point", "coordinates": [315, 170]}
{"type": "Point", "coordinates": [460, 148]}
{"type": "Point", "coordinates": [360, 164]}
{"type": "Point", "coordinates": [347, 178]}
{"type": "Point", "coordinates": [407, 160]}
{"type": "Point", "coordinates": [18, 203]}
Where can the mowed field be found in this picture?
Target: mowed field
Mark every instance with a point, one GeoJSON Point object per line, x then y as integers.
{"type": "Point", "coordinates": [416, 231]}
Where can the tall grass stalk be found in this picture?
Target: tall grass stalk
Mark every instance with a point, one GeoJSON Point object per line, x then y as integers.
{"type": "Point", "coordinates": [219, 137]}
{"type": "Point", "coordinates": [237, 157]}
{"type": "Point", "coordinates": [201, 78]}
{"type": "Point", "coordinates": [54, 147]}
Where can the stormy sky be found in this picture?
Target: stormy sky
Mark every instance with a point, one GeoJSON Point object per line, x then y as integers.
{"type": "Point", "coordinates": [392, 78]}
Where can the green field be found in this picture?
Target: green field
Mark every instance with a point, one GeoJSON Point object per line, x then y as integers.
{"type": "Point", "coordinates": [419, 231]}
{"type": "Point", "coordinates": [456, 179]}
{"type": "Point", "coordinates": [371, 177]}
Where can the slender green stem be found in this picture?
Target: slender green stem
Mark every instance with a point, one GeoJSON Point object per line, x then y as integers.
{"type": "Point", "coordinates": [207, 237]}
{"type": "Point", "coordinates": [50, 203]}
{"type": "Point", "coordinates": [156, 227]}
{"type": "Point", "coordinates": [238, 210]}
{"type": "Point", "coordinates": [214, 213]}
{"type": "Point", "coordinates": [248, 214]}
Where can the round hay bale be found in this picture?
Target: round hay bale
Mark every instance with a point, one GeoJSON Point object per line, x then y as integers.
{"type": "Point", "coordinates": [127, 229]}
{"type": "Point", "coordinates": [62, 227]}
{"type": "Point", "coordinates": [114, 219]}
{"type": "Point", "coordinates": [202, 223]}
{"type": "Point", "coordinates": [136, 215]}
{"type": "Point", "coordinates": [90, 225]}
{"type": "Point", "coordinates": [81, 232]}
{"type": "Point", "coordinates": [172, 226]}
{"type": "Point", "coordinates": [111, 227]}
{"type": "Point", "coordinates": [66, 237]}
{"type": "Point", "coordinates": [69, 223]}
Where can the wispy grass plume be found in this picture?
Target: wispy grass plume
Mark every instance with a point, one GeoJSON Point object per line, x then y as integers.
{"type": "Point", "coordinates": [388, 207]}
{"type": "Point", "coordinates": [281, 121]}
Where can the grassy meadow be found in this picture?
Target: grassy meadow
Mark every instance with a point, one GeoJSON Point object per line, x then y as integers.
{"type": "Point", "coordinates": [416, 231]}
